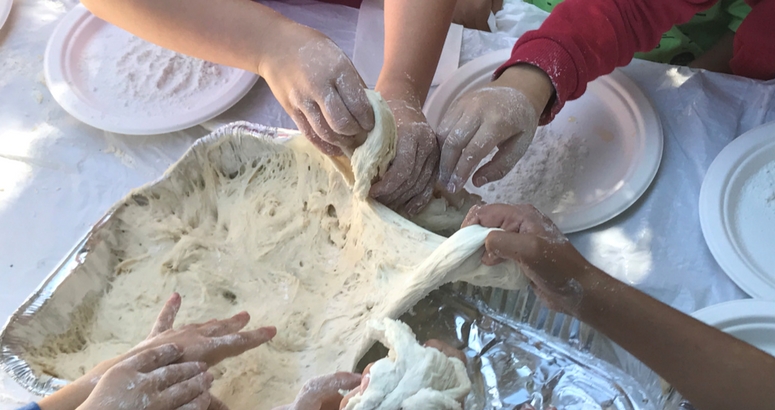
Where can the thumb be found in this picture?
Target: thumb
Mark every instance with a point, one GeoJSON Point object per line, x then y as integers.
{"type": "Point", "coordinates": [509, 153]}
{"type": "Point", "coordinates": [518, 247]}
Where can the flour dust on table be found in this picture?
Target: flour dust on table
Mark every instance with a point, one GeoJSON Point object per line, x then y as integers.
{"type": "Point", "coordinates": [133, 76]}
{"type": "Point", "coordinates": [246, 222]}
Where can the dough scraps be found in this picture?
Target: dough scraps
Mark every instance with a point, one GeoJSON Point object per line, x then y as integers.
{"type": "Point", "coordinates": [248, 222]}
{"type": "Point", "coordinates": [412, 376]}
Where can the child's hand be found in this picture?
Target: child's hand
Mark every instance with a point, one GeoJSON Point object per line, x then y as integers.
{"type": "Point", "coordinates": [557, 271]}
{"type": "Point", "coordinates": [408, 183]}
{"type": "Point", "coordinates": [322, 393]}
{"type": "Point", "coordinates": [318, 87]}
{"type": "Point", "coordinates": [502, 114]}
{"type": "Point", "coordinates": [209, 342]}
{"type": "Point", "coordinates": [475, 13]}
{"type": "Point", "coordinates": [150, 380]}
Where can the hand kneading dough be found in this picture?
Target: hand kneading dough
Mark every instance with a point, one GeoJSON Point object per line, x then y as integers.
{"type": "Point", "coordinates": [273, 228]}
{"type": "Point", "coordinates": [412, 376]}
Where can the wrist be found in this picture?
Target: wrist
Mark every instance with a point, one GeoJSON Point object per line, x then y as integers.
{"type": "Point", "coordinates": [271, 41]}
{"type": "Point", "coordinates": [400, 88]}
{"type": "Point", "coordinates": [529, 80]}
{"type": "Point", "coordinates": [600, 293]}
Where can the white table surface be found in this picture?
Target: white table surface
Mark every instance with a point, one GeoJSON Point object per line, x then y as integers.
{"type": "Point", "coordinates": [58, 176]}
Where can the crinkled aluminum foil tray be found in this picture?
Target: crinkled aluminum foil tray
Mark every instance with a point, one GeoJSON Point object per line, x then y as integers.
{"type": "Point", "coordinates": [519, 351]}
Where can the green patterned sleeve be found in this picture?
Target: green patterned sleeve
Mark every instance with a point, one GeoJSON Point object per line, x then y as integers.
{"type": "Point", "coordinates": [737, 11]}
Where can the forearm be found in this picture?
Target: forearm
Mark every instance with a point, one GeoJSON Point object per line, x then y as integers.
{"type": "Point", "coordinates": [711, 369]}
{"type": "Point", "coordinates": [415, 32]}
{"type": "Point", "coordinates": [574, 54]}
{"type": "Point", "coordinates": [229, 32]}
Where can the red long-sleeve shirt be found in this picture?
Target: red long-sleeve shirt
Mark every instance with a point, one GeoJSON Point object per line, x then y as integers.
{"type": "Point", "coordinates": [584, 39]}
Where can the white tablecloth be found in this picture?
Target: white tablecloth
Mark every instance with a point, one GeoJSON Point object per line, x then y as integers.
{"type": "Point", "coordinates": [58, 176]}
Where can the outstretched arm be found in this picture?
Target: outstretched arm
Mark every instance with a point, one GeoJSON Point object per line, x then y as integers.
{"type": "Point", "coordinates": [309, 75]}
{"type": "Point", "coordinates": [710, 368]}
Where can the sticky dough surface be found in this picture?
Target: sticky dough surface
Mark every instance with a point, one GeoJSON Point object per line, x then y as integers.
{"type": "Point", "coordinates": [274, 228]}
{"type": "Point", "coordinates": [412, 376]}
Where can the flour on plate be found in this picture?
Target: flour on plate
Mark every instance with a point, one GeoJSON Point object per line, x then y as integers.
{"type": "Point", "coordinates": [251, 223]}
{"type": "Point", "coordinates": [412, 376]}
{"type": "Point", "coordinates": [128, 74]}
{"type": "Point", "coordinates": [543, 177]}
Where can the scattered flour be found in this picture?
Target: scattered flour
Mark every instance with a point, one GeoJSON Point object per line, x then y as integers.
{"type": "Point", "coordinates": [754, 214]}
{"type": "Point", "coordinates": [412, 376]}
{"type": "Point", "coordinates": [130, 75]}
{"type": "Point", "coordinates": [543, 177]}
{"type": "Point", "coordinates": [278, 230]}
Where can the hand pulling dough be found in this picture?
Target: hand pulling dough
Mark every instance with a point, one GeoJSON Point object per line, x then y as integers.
{"type": "Point", "coordinates": [244, 222]}
{"type": "Point", "coordinates": [412, 376]}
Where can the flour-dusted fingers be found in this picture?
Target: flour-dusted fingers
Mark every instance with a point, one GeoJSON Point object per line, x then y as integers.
{"type": "Point", "coordinates": [238, 343]}
{"type": "Point", "coordinates": [491, 116]}
{"type": "Point", "coordinates": [338, 117]}
{"type": "Point", "coordinates": [154, 358]}
{"type": "Point", "coordinates": [416, 204]}
{"type": "Point", "coordinates": [399, 172]}
{"type": "Point", "coordinates": [314, 115]}
{"type": "Point", "coordinates": [422, 181]}
{"type": "Point", "coordinates": [226, 326]}
{"type": "Point", "coordinates": [170, 375]}
{"type": "Point", "coordinates": [166, 318]}
{"type": "Point", "coordinates": [454, 144]}
{"type": "Point", "coordinates": [487, 138]}
{"type": "Point", "coordinates": [508, 154]}
{"type": "Point", "coordinates": [417, 153]}
{"type": "Point", "coordinates": [323, 389]}
{"type": "Point", "coordinates": [507, 217]}
{"type": "Point", "coordinates": [352, 91]}
{"type": "Point", "coordinates": [186, 391]}
{"type": "Point", "coordinates": [202, 402]}
{"type": "Point", "coordinates": [306, 129]}
{"type": "Point", "coordinates": [425, 168]}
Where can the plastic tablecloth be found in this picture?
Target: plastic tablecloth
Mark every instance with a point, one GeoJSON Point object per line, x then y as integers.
{"type": "Point", "coordinates": [58, 176]}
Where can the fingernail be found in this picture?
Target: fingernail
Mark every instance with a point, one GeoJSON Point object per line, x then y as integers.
{"type": "Point", "coordinates": [481, 181]}
{"type": "Point", "coordinates": [365, 381]}
{"type": "Point", "coordinates": [202, 366]}
{"type": "Point", "coordinates": [451, 188]}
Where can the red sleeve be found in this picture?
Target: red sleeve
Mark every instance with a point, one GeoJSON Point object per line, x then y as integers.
{"type": "Point", "coordinates": [584, 39]}
{"type": "Point", "coordinates": [754, 48]}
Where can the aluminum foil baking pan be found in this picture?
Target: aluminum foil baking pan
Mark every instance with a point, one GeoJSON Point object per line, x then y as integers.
{"type": "Point", "coordinates": [519, 351]}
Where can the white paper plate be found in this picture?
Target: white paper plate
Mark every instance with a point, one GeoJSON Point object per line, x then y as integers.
{"type": "Point", "coordinates": [618, 129]}
{"type": "Point", "coordinates": [5, 11]}
{"type": "Point", "coordinates": [74, 84]}
{"type": "Point", "coordinates": [752, 321]}
{"type": "Point", "coordinates": [737, 211]}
